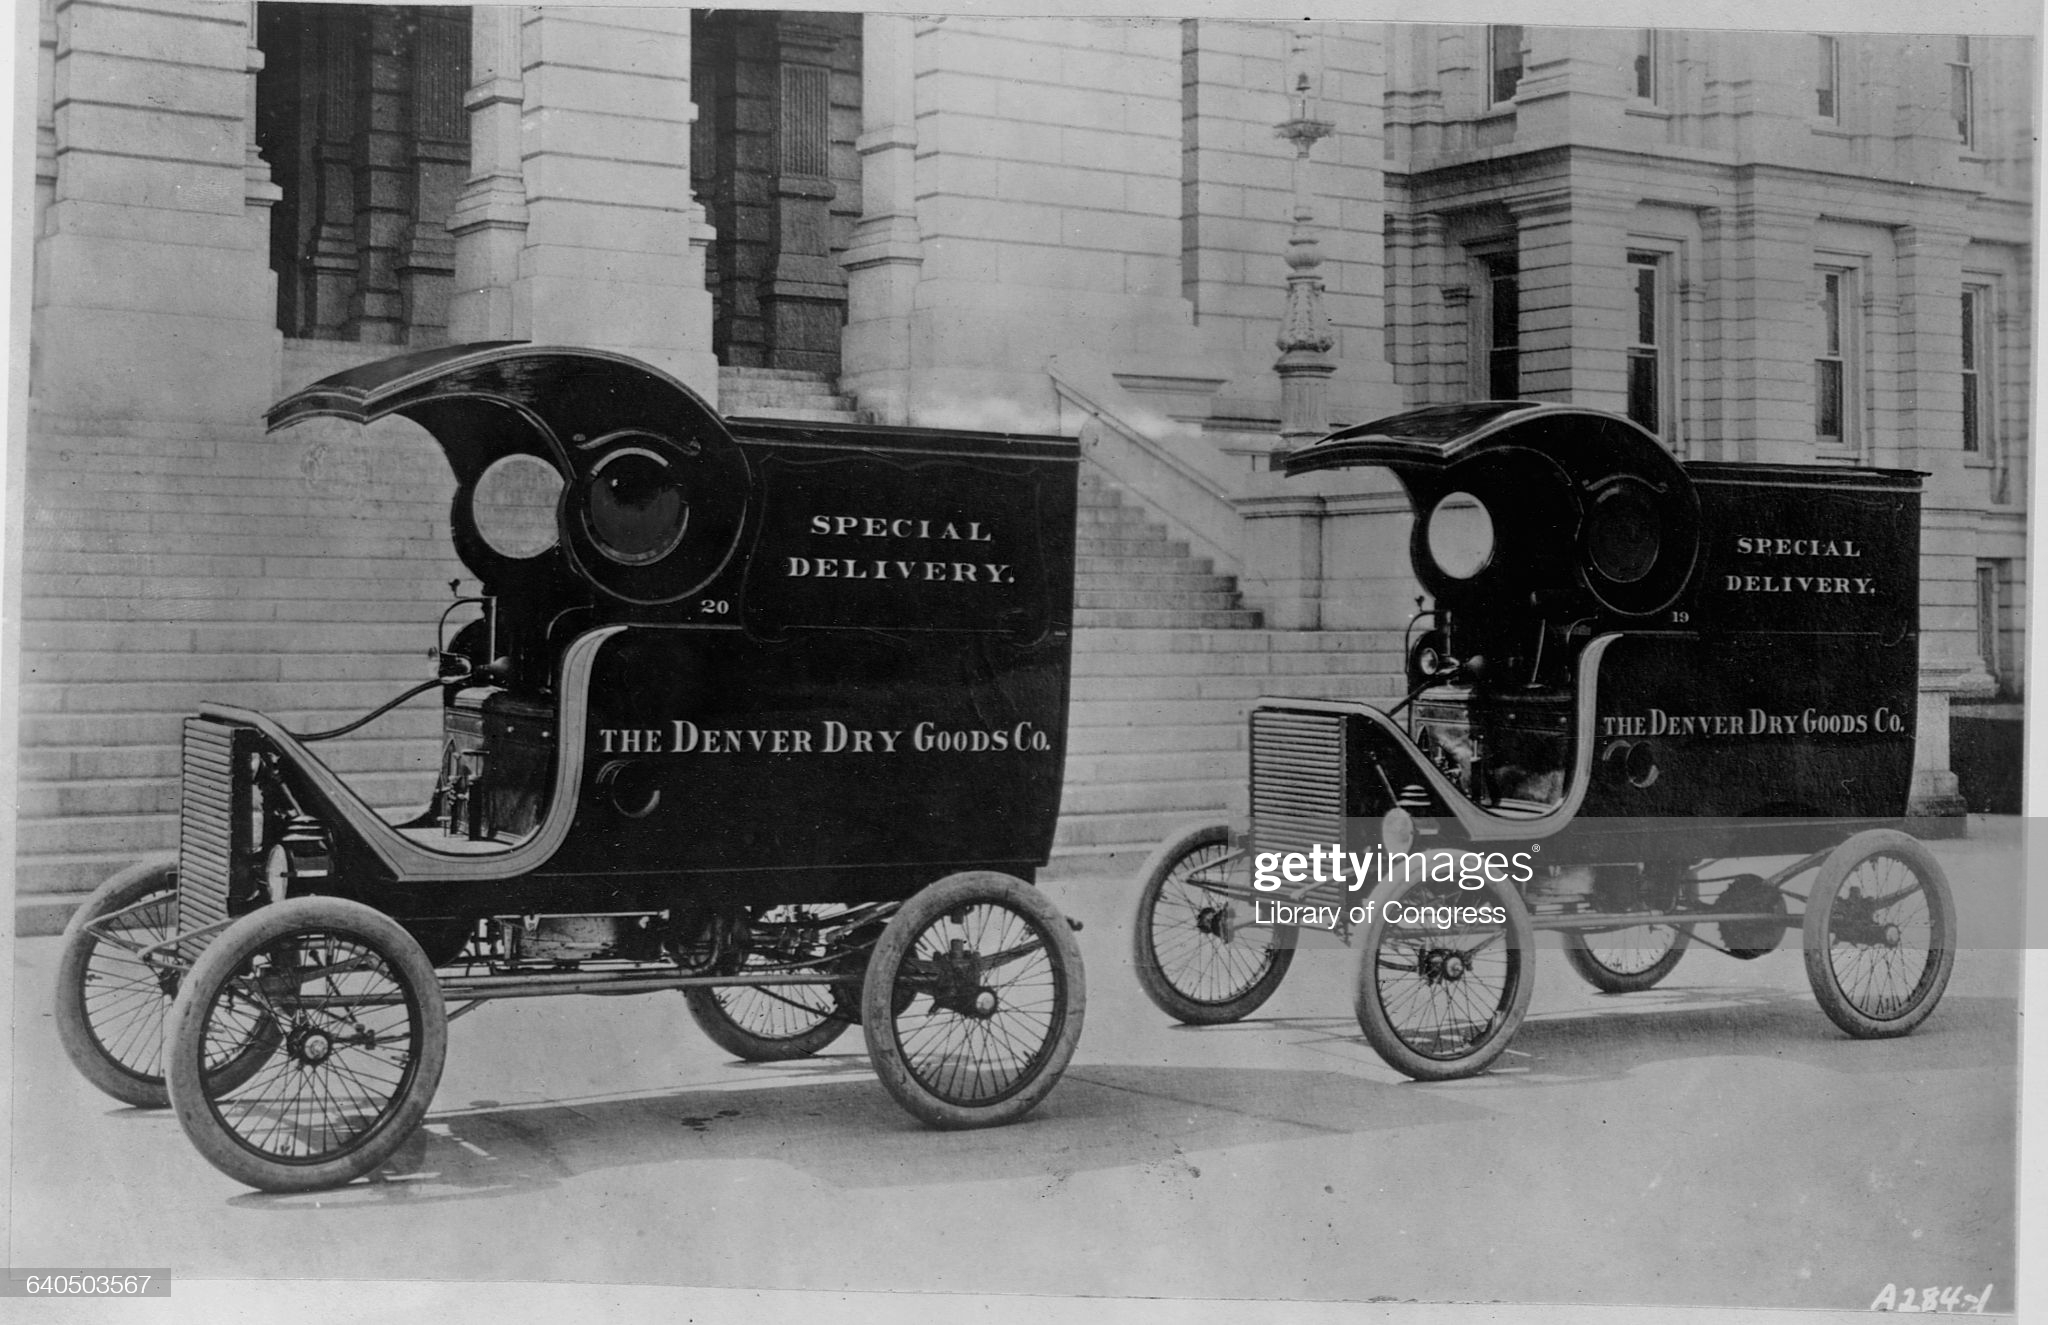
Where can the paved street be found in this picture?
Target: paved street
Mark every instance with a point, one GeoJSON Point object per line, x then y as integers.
{"type": "Point", "coordinates": [1711, 1142]}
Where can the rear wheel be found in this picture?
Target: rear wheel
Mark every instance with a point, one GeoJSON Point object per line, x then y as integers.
{"type": "Point", "coordinates": [1194, 956]}
{"type": "Point", "coordinates": [361, 1033]}
{"type": "Point", "coordinates": [1880, 934]}
{"type": "Point", "coordinates": [1440, 996]}
{"type": "Point", "coordinates": [110, 1006]}
{"type": "Point", "coordinates": [1626, 961]}
{"type": "Point", "coordinates": [973, 1001]}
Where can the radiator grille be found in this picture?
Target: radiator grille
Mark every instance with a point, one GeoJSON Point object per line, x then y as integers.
{"type": "Point", "coordinates": [206, 823]}
{"type": "Point", "coordinates": [1297, 779]}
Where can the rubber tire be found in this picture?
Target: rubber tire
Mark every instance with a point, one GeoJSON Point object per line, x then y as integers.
{"type": "Point", "coordinates": [249, 935]}
{"type": "Point", "coordinates": [881, 1006]}
{"type": "Point", "coordinates": [81, 1041]}
{"type": "Point", "coordinates": [1153, 977]}
{"type": "Point", "coordinates": [1372, 1016]}
{"type": "Point", "coordinates": [1610, 981]}
{"type": "Point", "coordinates": [1820, 972]}
{"type": "Point", "coordinates": [726, 1032]}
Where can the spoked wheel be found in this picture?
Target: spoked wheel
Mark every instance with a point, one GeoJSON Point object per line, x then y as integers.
{"type": "Point", "coordinates": [1626, 961]}
{"type": "Point", "coordinates": [361, 1035]}
{"type": "Point", "coordinates": [1880, 934]}
{"type": "Point", "coordinates": [1194, 956]}
{"type": "Point", "coordinates": [1440, 995]}
{"type": "Point", "coordinates": [111, 1005]}
{"type": "Point", "coordinates": [772, 1023]}
{"type": "Point", "coordinates": [973, 1001]}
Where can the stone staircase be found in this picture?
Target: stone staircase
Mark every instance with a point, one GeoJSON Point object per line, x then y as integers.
{"type": "Point", "coordinates": [161, 568]}
{"type": "Point", "coordinates": [1167, 661]}
{"type": "Point", "coordinates": [784, 393]}
{"type": "Point", "coordinates": [302, 574]}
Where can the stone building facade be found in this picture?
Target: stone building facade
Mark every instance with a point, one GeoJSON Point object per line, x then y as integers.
{"type": "Point", "coordinates": [1053, 224]}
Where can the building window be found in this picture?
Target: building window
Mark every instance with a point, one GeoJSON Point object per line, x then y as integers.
{"type": "Point", "coordinates": [1504, 47]}
{"type": "Point", "coordinates": [1646, 65]}
{"type": "Point", "coordinates": [1826, 78]}
{"type": "Point", "coordinates": [1961, 96]}
{"type": "Point", "coordinates": [1501, 325]}
{"type": "Point", "coordinates": [1833, 359]}
{"type": "Point", "coordinates": [1976, 352]}
{"type": "Point", "coordinates": [1646, 357]}
{"type": "Point", "coordinates": [1993, 577]}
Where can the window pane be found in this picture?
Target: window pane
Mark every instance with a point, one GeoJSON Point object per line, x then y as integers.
{"type": "Point", "coordinates": [1824, 79]}
{"type": "Point", "coordinates": [1506, 41]}
{"type": "Point", "coordinates": [1972, 438]}
{"type": "Point", "coordinates": [1642, 389]}
{"type": "Point", "coordinates": [1504, 375]}
{"type": "Point", "coordinates": [1646, 64]}
{"type": "Point", "coordinates": [1959, 100]}
{"type": "Point", "coordinates": [1646, 305]}
{"type": "Point", "coordinates": [1831, 313]}
{"type": "Point", "coordinates": [1969, 329]}
{"type": "Point", "coordinates": [1827, 400]}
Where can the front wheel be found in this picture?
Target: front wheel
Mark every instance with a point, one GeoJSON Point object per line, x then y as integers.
{"type": "Point", "coordinates": [973, 1001]}
{"type": "Point", "coordinates": [1195, 958]}
{"type": "Point", "coordinates": [352, 1004]}
{"type": "Point", "coordinates": [1626, 961]}
{"type": "Point", "coordinates": [1880, 934]}
{"type": "Point", "coordinates": [1445, 977]}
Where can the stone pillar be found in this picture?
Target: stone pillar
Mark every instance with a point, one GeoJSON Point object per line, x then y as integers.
{"type": "Point", "coordinates": [1575, 299]}
{"type": "Point", "coordinates": [488, 222]}
{"type": "Point", "coordinates": [801, 292]}
{"type": "Point", "coordinates": [882, 263]}
{"type": "Point", "coordinates": [438, 162]}
{"type": "Point", "coordinates": [153, 295]}
{"type": "Point", "coordinates": [1929, 438]}
{"type": "Point", "coordinates": [1766, 381]}
{"type": "Point", "coordinates": [1049, 206]}
{"type": "Point", "coordinates": [381, 161]}
{"type": "Point", "coordinates": [1283, 555]}
{"type": "Point", "coordinates": [613, 253]}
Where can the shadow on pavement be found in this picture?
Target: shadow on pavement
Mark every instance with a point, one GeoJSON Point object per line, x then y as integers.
{"type": "Point", "coordinates": [852, 1135]}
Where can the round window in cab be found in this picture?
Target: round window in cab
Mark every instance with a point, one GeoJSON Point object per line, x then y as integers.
{"type": "Point", "coordinates": [1461, 538]}
{"type": "Point", "coordinates": [635, 510]}
{"type": "Point", "coordinates": [513, 506]}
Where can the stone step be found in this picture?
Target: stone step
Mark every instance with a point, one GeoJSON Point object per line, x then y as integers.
{"type": "Point", "coordinates": [1089, 546]}
{"type": "Point", "coordinates": [65, 730]}
{"type": "Point", "coordinates": [345, 755]}
{"type": "Point", "coordinates": [221, 638]}
{"type": "Point", "coordinates": [84, 802]}
{"type": "Point", "coordinates": [1155, 619]}
{"type": "Point", "coordinates": [1146, 566]}
{"type": "Point", "coordinates": [800, 415]}
{"type": "Point", "coordinates": [1308, 684]}
{"type": "Point", "coordinates": [312, 612]}
{"type": "Point", "coordinates": [1152, 639]}
{"type": "Point", "coordinates": [1109, 599]}
{"type": "Point", "coordinates": [1130, 828]}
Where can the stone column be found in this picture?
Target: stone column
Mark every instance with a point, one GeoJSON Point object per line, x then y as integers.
{"type": "Point", "coordinates": [801, 291]}
{"type": "Point", "coordinates": [612, 256]}
{"type": "Point", "coordinates": [1575, 299]}
{"type": "Point", "coordinates": [882, 263]}
{"type": "Point", "coordinates": [1929, 438]}
{"type": "Point", "coordinates": [488, 222]}
{"type": "Point", "coordinates": [1766, 386]}
{"type": "Point", "coordinates": [153, 294]}
{"type": "Point", "coordinates": [439, 164]}
{"type": "Point", "coordinates": [1049, 203]}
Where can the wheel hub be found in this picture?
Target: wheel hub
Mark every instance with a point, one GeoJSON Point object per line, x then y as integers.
{"type": "Point", "coordinates": [311, 1047]}
{"type": "Point", "coordinates": [1443, 966]}
{"type": "Point", "coordinates": [1220, 921]}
